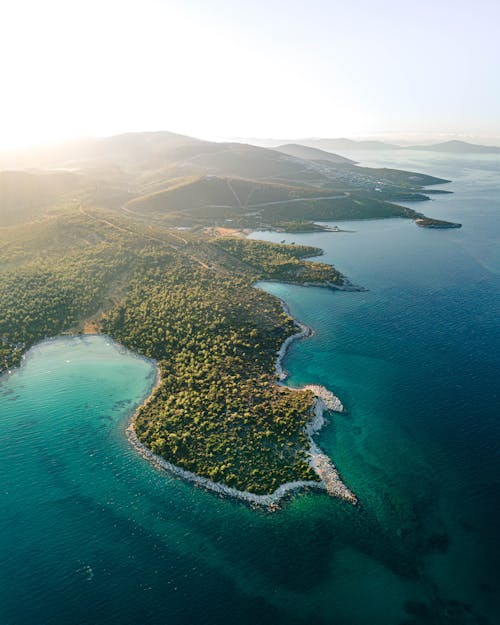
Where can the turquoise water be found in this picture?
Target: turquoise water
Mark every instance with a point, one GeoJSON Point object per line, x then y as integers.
{"type": "Point", "coordinates": [90, 533]}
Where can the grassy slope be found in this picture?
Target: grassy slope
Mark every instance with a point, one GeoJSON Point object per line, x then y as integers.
{"type": "Point", "coordinates": [250, 203]}
{"type": "Point", "coordinates": [240, 194]}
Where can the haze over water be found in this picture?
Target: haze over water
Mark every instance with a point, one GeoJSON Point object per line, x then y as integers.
{"type": "Point", "coordinates": [90, 533]}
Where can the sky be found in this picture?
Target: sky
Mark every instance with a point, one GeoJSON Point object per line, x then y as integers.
{"type": "Point", "coordinates": [219, 69]}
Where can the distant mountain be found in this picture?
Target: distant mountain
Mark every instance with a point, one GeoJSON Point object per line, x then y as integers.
{"type": "Point", "coordinates": [350, 145]}
{"type": "Point", "coordinates": [341, 145]}
{"type": "Point", "coordinates": [148, 157]}
{"type": "Point", "coordinates": [243, 161]}
{"type": "Point", "coordinates": [174, 176]}
{"type": "Point", "coordinates": [313, 154]}
{"type": "Point", "coordinates": [458, 147]}
{"type": "Point", "coordinates": [138, 149]}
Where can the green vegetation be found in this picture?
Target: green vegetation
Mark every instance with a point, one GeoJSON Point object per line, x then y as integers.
{"type": "Point", "coordinates": [218, 411]}
{"type": "Point", "coordinates": [191, 306]}
{"type": "Point", "coordinates": [282, 263]}
{"type": "Point", "coordinates": [352, 206]}
{"type": "Point", "coordinates": [196, 195]}
{"type": "Point", "coordinates": [426, 222]}
{"type": "Point", "coordinates": [53, 275]}
{"type": "Point", "coordinates": [242, 203]}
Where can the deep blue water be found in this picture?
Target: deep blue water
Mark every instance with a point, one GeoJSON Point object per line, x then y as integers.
{"type": "Point", "coordinates": [90, 533]}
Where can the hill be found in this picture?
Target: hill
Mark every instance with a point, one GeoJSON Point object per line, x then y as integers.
{"type": "Point", "coordinates": [129, 150]}
{"type": "Point", "coordinates": [347, 144]}
{"type": "Point", "coordinates": [215, 197]}
{"type": "Point", "coordinates": [212, 200]}
{"type": "Point", "coordinates": [313, 154]}
{"type": "Point", "coordinates": [458, 147]}
{"type": "Point", "coordinates": [189, 182]}
{"type": "Point", "coordinates": [141, 160]}
{"type": "Point", "coordinates": [242, 160]}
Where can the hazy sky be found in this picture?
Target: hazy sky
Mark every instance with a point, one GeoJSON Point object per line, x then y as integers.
{"type": "Point", "coordinates": [221, 68]}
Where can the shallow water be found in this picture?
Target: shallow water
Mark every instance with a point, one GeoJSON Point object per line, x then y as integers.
{"type": "Point", "coordinates": [90, 533]}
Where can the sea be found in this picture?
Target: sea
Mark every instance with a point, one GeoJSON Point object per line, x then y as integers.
{"type": "Point", "coordinates": [90, 533]}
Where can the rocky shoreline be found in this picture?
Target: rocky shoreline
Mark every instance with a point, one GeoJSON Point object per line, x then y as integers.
{"type": "Point", "coordinates": [331, 402]}
{"type": "Point", "coordinates": [270, 501]}
{"type": "Point", "coordinates": [319, 461]}
{"type": "Point", "coordinates": [330, 481]}
{"type": "Point", "coordinates": [325, 401]}
{"type": "Point", "coordinates": [347, 285]}
{"type": "Point", "coordinates": [304, 332]}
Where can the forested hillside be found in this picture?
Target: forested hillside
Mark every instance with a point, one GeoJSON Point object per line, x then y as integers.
{"type": "Point", "coordinates": [282, 263]}
{"type": "Point", "coordinates": [191, 305]}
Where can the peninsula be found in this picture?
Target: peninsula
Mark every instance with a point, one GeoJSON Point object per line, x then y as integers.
{"type": "Point", "coordinates": [133, 242]}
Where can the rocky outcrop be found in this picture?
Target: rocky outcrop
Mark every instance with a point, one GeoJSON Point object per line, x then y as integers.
{"type": "Point", "coordinates": [329, 475]}
{"type": "Point", "coordinates": [331, 402]}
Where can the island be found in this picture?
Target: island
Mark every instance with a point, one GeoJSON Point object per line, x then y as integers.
{"type": "Point", "coordinates": [143, 241]}
{"type": "Point", "coordinates": [426, 222]}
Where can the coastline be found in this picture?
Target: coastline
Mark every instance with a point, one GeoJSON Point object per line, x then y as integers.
{"type": "Point", "coordinates": [330, 481]}
{"type": "Point", "coordinates": [347, 286]}
{"type": "Point", "coordinates": [270, 501]}
{"type": "Point", "coordinates": [325, 401]}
